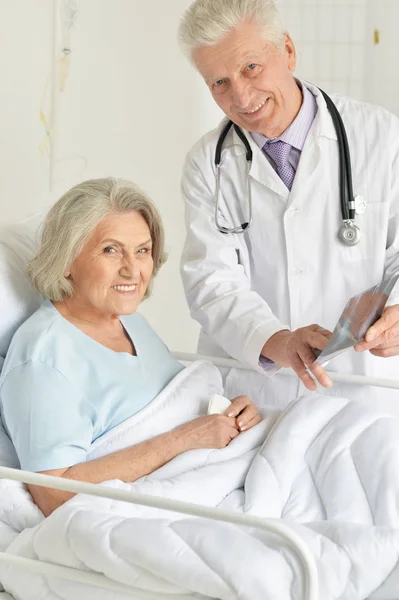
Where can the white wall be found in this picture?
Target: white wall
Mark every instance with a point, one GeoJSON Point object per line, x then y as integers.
{"type": "Point", "coordinates": [132, 108]}
{"type": "Point", "coordinates": [382, 59]}
{"type": "Point", "coordinates": [330, 36]}
{"type": "Point", "coordinates": [336, 49]}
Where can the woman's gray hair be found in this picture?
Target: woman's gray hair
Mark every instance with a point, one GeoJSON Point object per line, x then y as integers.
{"type": "Point", "coordinates": [207, 22]}
{"type": "Point", "coordinates": [70, 223]}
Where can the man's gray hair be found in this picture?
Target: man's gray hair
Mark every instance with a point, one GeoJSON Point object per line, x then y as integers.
{"type": "Point", "coordinates": [207, 22]}
{"type": "Point", "coordinates": [71, 221]}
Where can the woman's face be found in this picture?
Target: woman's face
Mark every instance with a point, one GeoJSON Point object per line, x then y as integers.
{"type": "Point", "coordinates": [111, 274]}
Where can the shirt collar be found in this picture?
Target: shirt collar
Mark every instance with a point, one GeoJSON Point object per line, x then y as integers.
{"type": "Point", "coordinates": [296, 133]}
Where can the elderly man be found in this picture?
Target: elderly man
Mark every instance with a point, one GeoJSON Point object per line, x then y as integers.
{"type": "Point", "coordinates": [263, 258]}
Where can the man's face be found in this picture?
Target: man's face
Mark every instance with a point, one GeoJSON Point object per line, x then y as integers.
{"type": "Point", "coordinates": [251, 80]}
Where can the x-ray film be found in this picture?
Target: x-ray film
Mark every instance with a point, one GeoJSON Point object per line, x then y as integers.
{"type": "Point", "coordinates": [358, 315]}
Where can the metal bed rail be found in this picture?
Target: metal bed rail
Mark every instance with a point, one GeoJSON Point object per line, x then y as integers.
{"type": "Point", "coordinates": [335, 376]}
{"type": "Point", "coordinates": [307, 562]}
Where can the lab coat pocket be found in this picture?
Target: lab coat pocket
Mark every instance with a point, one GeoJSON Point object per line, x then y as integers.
{"type": "Point", "coordinates": [373, 226]}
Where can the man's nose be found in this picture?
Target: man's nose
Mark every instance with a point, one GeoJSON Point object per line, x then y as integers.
{"type": "Point", "coordinates": [241, 94]}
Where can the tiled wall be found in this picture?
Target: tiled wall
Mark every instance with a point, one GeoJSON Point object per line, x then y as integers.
{"type": "Point", "coordinates": [383, 59]}
{"type": "Point", "coordinates": [330, 37]}
{"type": "Point", "coordinates": [336, 48]}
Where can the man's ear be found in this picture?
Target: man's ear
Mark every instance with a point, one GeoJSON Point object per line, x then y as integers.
{"type": "Point", "coordinates": [290, 52]}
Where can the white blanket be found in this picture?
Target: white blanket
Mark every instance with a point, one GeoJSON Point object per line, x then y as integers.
{"type": "Point", "coordinates": [329, 467]}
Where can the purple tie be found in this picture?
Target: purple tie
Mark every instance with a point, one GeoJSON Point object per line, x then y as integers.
{"type": "Point", "coordinates": [278, 152]}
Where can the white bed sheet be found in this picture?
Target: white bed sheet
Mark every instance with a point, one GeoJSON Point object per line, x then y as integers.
{"type": "Point", "coordinates": [323, 458]}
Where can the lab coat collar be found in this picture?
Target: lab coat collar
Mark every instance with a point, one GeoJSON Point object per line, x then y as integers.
{"type": "Point", "coordinates": [323, 123]}
{"type": "Point", "coordinates": [261, 169]}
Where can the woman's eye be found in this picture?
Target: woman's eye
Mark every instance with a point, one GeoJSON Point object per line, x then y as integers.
{"type": "Point", "coordinates": [144, 250]}
{"type": "Point", "coordinates": [109, 250]}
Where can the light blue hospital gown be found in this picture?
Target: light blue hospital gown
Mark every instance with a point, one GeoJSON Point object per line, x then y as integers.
{"type": "Point", "coordinates": [60, 390]}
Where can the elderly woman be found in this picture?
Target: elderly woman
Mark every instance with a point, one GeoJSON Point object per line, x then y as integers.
{"type": "Point", "coordinates": [86, 360]}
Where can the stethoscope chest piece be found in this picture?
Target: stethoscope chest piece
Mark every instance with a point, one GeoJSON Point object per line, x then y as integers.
{"type": "Point", "coordinates": [349, 234]}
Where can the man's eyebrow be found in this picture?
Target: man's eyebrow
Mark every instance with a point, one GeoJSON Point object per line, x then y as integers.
{"type": "Point", "coordinates": [213, 78]}
{"type": "Point", "coordinates": [248, 58]}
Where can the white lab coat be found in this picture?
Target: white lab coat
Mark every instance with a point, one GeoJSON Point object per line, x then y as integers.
{"type": "Point", "coordinates": [289, 269]}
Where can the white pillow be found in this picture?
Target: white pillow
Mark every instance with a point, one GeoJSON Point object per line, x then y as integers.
{"type": "Point", "coordinates": [18, 300]}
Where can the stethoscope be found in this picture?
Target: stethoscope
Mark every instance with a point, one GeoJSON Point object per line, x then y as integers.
{"type": "Point", "coordinates": [348, 233]}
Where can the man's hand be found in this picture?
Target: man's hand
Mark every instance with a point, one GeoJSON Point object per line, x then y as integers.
{"type": "Point", "coordinates": [382, 339]}
{"type": "Point", "coordinates": [295, 349]}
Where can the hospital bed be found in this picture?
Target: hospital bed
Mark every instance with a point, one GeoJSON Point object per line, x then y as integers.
{"type": "Point", "coordinates": [302, 554]}
{"type": "Point", "coordinates": [300, 551]}
{"type": "Point", "coordinates": [298, 547]}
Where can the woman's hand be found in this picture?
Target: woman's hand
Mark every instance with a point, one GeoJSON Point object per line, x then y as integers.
{"type": "Point", "coordinates": [245, 412]}
{"type": "Point", "coordinates": [212, 431]}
